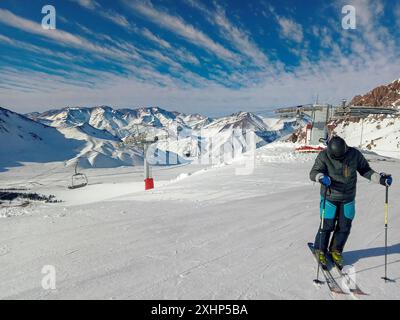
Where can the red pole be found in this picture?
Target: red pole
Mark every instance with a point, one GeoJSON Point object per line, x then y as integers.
{"type": "Point", "coordinates": [148, 181]}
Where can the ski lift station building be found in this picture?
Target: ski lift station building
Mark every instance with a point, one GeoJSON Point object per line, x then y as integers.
{"type": "Point", "coordinates": [318, 115]}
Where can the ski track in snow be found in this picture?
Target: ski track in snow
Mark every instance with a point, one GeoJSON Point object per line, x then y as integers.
{"type": "Point", "coordinates": [203, 233]}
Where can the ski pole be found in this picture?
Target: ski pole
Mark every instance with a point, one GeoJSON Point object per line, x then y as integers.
{"type": "Point", "coordinates": [321, 227]}
{"type": "Point", "coordinates": [386, 231]}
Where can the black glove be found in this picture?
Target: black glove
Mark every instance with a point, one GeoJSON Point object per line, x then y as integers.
{"type": "Point", "coordinates": [386, 180]}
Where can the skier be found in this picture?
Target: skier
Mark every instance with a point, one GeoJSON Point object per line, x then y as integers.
{"type": "Point", "coordinates": [336, 169]}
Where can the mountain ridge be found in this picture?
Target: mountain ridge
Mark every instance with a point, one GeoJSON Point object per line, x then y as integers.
{"type": "Point", "coordinates": [382, 96]}
{"type": "Point", "coordinates": [100, 131]}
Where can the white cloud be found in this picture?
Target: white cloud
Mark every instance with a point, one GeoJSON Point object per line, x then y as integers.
{"type": "Point", "coordinates": [329, 80]}
{"type": "Point", "coordinates": [58, 36]}
{"type": "Point", "coordinates": [6, 40]}
{"type": "Point", "coordinates": [237, 37]}
{"type": "Point", "coordinates": [111, 15]}
{"type": "Point", "coordinates": [118, 51]}
{"type": "Point", "coordinates": [116, 18]}
{"type": "Point", "coordinates": [368, 13]}
{"type": "Point", "coordinates": [63, 56]}
{"type": "Point", "coordinates": [371, 58]}
{"type": "Point", "coordinates": [123, 22]}
{"type": "Point", "coordinates": [154, 38]}
{"type": "Point", "coordinates": [178, 26]}
{"type": "Point", "coordinates": [290, 29]}
{"type": "Point", "coordinates": [88, 4]}
{"type": "Point", "coordinates": [240, 39]}
{"type": "Point", "coordinates": [8, 18]}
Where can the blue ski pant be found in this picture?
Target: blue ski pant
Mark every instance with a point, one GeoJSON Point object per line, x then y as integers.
{"type": "Point", "coordinates": [338, 219]}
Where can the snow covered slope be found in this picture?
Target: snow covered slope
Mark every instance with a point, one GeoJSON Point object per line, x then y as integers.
{"type": "Point", "coordinates": [377, 133]}
{"type": "Point", "coordinates": [103, 134]}
{"type": "Point", "coordinates": [73, 140]}
{"type": "Point", "coordinates": [24, 140]}
{"type": "Point", "coordinates": [203, 233]}
{"type": "Point", "coordinates": [101, 149]}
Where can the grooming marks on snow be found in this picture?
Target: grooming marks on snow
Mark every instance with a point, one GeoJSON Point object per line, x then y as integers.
{"type": "Point", "coordinates": [185, 175]}
{"type": "Point", "coordinates": [71, 252]}
{"type": "Point", "coordinates": [13, 211]}
{"type": "Point", "coordinates": [202, 265]}
{"type": "Point", "coordinates": [181, 177]}
{"type": "Point", "coordinates": [4, 249]}
{"type": "Point", "coordinates": [281, 152]}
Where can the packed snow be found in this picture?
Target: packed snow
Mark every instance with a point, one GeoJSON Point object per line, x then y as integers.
{"type": "Point", "coordinates": [379, 134]}
{"type": "Point", "coordinates": [204, 232]}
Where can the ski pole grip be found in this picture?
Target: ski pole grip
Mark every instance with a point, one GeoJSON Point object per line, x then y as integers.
{"type": "Point", "coordinates": [323, 210]}
{"type": "Point", "coordinates": [387, 207]}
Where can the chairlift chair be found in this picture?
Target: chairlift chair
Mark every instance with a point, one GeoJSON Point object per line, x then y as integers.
{"type": "Point", "coordinates": [188, 151]}
{"type": "Point", "coordinates": [78, 180]}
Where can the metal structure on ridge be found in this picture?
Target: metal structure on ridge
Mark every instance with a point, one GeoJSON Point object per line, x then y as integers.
{"type": "Point", "coordinates": [143, 139]}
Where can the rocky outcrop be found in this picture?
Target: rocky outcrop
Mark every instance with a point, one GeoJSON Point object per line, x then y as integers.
{"type": "Point", "coordinates": [382, 96]}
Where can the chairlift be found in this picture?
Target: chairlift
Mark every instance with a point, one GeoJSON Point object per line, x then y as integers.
{"type": "Point", "coordinates": [78, 180]}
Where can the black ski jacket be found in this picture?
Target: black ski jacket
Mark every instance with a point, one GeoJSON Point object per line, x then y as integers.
{"type": "Point", "coordinates": [343, 174]}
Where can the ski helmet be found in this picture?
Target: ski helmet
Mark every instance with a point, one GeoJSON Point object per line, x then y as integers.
{"type": "Point", "coordinates": [337, 148]}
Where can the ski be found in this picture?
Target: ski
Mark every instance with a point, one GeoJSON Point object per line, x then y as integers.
{"type": "Point", "coordinates": [351, 284]}
{"type": "Point", "coordinates": [329, 279]}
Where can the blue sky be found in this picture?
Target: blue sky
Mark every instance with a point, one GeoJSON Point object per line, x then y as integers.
{"type": "Point", "coordinates": [210, 57]}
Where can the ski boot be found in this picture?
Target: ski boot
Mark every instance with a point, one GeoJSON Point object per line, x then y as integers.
{"type": "Point", "coordinates": [322, 259]}
{"type": "Point", "coordinates": [337, 259]}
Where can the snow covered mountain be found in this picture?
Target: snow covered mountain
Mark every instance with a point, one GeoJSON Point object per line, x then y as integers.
{"type": "Point", "coordinates": [102, 118]}
{"type": "Point", "coordinates": [24, 140]}
{"type": "Point", "coordinates": [376, 133]}
{"type": "Point", "coordinates": [266, 130]}
{"type": "Point", "coordinates": [100, 149]}
{"type": "Point", "coordinates": [95, 137]}
{"type": "Point", "coordinates": [123, 123]}
{"type": "Point", "coordinates": [242, 120]}
{"type": "Point", "coordinates": [153, 116]}
{"type": "Point", "coordinates": [194, 121]}
{"type": "Point", "coordinates": [120, 123]}
{"type": "Point", "coordinates": [96, 133]}
{"type": "Point", "coordinates": [382, 96]}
